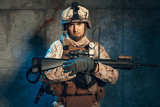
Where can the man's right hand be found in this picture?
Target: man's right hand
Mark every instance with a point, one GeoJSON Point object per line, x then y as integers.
{"type": "Point", "coordinates": [80, 64]}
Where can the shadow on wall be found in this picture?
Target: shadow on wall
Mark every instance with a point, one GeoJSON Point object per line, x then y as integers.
{"type": "Point", "coordinates": [20, 92]}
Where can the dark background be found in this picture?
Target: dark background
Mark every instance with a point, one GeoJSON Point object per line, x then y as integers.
{"type": "Point", "coordinates": [128, 27]}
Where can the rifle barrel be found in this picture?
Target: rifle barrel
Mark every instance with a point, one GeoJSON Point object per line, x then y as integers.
{"type": "Point", "coordinates": [151, 65]}
{"type": "Point", "coordinates": [123, 64]}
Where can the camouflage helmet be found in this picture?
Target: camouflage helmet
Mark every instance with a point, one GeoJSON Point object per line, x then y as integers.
{"type": "Point", "coordinates": [75, 13]}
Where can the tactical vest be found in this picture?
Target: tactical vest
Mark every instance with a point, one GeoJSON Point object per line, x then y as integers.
{"type": "Point", "coordinates": [77, 90]}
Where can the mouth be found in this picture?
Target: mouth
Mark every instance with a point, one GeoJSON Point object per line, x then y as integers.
{"type": "Point", "coordinates": [77, 33]}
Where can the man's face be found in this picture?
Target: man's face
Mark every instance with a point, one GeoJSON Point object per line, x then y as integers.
{"type": "Point", "coordinates": [76, 30]}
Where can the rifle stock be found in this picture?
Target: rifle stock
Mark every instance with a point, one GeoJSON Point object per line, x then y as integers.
{"type": "Point", "coordinates": [43, 64]}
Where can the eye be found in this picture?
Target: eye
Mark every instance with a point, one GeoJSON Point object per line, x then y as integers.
{"type": "Point", "coordinates": [79, 23]}
{"type": "Point", "coordinates": [70, 25]}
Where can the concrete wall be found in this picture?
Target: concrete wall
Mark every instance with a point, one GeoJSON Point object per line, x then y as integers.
{"type": "Point", "coordinates": [128, 27]}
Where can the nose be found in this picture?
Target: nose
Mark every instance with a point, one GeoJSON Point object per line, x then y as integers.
{"type": "Point", "coordinates": [75, 28]}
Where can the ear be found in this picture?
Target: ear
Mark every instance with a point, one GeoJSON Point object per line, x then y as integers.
{"type": "Point", "coordinates": [85, 26]}
{"type": "Point", "coordinates": [65, 27]}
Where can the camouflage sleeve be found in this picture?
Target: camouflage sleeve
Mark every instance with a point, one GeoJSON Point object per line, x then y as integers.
{"type": "Point", "coordinates": [56, 75]}
{"type": "Point", "coordinates": [105, 72]}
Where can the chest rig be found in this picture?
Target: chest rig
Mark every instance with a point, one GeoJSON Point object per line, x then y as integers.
{"type": "Point", "coordinates": [82, 80]}
{"type": "Point", "coordinates": [82, 90]}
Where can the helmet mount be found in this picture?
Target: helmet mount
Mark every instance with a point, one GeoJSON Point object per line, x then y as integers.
{"type": "Point", "coordinates": [75, 10]}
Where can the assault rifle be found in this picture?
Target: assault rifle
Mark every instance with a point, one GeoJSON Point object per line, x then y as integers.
{"type": "Point", "coordinates": [40, 64]}
{"type": "Point", "coordinates": [123, 62]}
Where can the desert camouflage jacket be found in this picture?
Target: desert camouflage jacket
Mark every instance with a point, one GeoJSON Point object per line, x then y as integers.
{"type": "Point", "coordinates": [104, 73]}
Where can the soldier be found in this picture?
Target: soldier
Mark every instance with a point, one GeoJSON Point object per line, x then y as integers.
{"type": "Point", "coordinates": [79, 82]}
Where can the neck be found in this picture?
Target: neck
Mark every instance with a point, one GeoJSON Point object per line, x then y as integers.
{"type": "Point", "coordinates": [81, 43]}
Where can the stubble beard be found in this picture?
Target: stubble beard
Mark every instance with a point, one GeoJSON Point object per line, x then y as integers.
{"type": "Point", "coordinates": [77, 38]}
